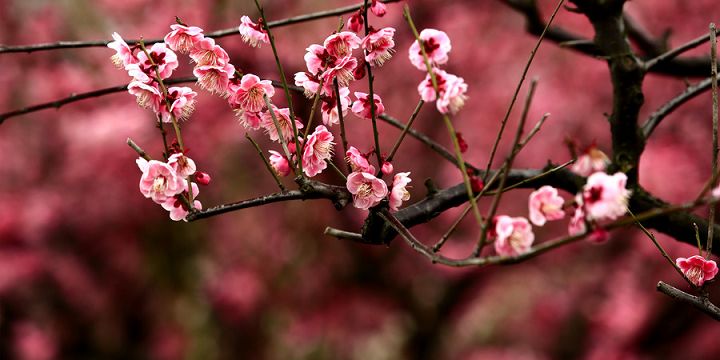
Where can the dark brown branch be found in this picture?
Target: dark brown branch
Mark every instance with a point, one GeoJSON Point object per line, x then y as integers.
{"type": "Point", "coordinates": [662, 58]}
{"type": "Point", "coordinates": [701, 303]}
{"type": "Point", "coordinates": [214, 34]}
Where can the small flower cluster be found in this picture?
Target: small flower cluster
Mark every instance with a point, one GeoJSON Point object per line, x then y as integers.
{"type": "Point", "coordinates": [451, 89]}
{"type": "Point", "coordinates": [367, 189]}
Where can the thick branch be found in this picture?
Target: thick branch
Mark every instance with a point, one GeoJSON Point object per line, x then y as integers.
{"type": "Point", "coordinates": [701, 303]}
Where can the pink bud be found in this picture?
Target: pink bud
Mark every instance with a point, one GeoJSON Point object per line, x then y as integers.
{"type": "Point", "coordinates": [355, 22]}
{"type": "Point", "coordinates": [387, 168]}
{"type": "Point", "coordinates": [599, 236]}
{"type": "Point", "coordinates": [202, 178]}
{"type": "Point", "coordinates": [476, 183]}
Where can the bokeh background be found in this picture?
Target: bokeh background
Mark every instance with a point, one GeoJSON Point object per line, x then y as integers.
{"type": "Point", "coordinates": [89, 269]}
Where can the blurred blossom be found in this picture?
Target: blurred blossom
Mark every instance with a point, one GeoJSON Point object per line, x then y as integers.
{"type": "Point", "coordinates": [33, 343]}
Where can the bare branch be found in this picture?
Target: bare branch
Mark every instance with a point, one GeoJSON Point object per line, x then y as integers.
{"type": "Point", "coordinates": [701, 303]}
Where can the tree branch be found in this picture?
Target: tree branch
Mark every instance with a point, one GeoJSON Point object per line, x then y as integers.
{"type": "Point", "coordinates": [701, 303]}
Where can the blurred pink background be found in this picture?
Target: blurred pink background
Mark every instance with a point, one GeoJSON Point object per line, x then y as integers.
{"type": "Point", "coordinates": [90, 269]}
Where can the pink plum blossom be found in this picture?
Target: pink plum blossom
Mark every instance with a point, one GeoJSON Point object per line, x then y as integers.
{"type": "Point", "coordinates": [183, 38]}
{"type": "Point", "coordinates": [248, 95]}
{"type": "Point", "coordinates": [248, 119]}
{"type": "Point", "coordinates": [427, 90]}
{"type": "Point", "coordinates": [605, 196]}
{"type": "Point", "coordinates": [358, 162]}
{"type": "Point", "coordinates": [329, 108]}
{"type": "Point", "coordinates": [159, 181]}
{"type": "Point", "coordinates": [342, 44]}
{"type": "Point", "coordinates": [183, 165]}
{"type": "Point", "coordinates": [697, 269]}
{"type": "Point", "coordinates": [545, 205]}
{"type": "Point", "coordinates": [716, 192]}
{"type": "Point", "coordinates": [592, 160]}
{"type": "Point", "coordinates": [379, 45]}
{"type": "Point", "coordinates": [160, 56]}
{"type": "Point", "coordinates": [202, 178]}
{"type": "Point", "coordinates": [316, 58]}
{"type": "Point", "coordinates": [437, 46]}
{"type": "Point", "coordinates": [378, 8]}
{"type": "Point", "coordinates": [214, 79]}
{"type": "Point", "coordinates": [387, 168]}
{"type": "Point", "coordinates": [148, 96]}
{"type": "Point", "coordinates": [367, 190]}
{"type": "Point", "coordinates": [177, 207]}
{"type": "Point", "coordinates": [342, 69]}
{"type": "Point", "coordinates": [138, 74]}
{"type": "Point", "coordinates": [356, 22]}
{"type": "Point", "coordinates": [361, 106]}
{"type": "Point", "coordinates": [283, 119]}
{"type": "Point", "coordinates": [206, 52]}
{"type": "Point", "coordinates": [182, 104]}
{"type": "Point", "coordinates": [309, 82]}
{"type": "Point", "coordinates": [123, 53]}
{"type": "Point", "coordinates": [577, 224]}
{"type": "Point", "coordinates": [453, 98]}
{"type": "Point", "coordinates": [317, 149]}
{"type": "Point", "coordinates": [279, 163]}
{"type": "Point", "coordinates": [514, 235]}
{"type": "Point", "coordinates": [399, 192]}
{"type": "Point", "coordinates": [252, 33]}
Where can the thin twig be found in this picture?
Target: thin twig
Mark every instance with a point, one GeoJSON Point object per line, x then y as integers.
{"type": "Point", "coordinates": [343, 136]}
{"type": "Point", "coordinates": [713, 76]}
{"type": "Point", "coordinates": [405, 131]}
{"type": "Point", "coordinates": [138, 149]}
{"type": "Point", "coordinates": [281, 135]}
{"type": "Point", "coordinates": [371, 91]}
{"type": "Point", "coordinates": [266, 162]}
{"type": "Point", "coordinates": [677, 51]}
{"type": "Point", "coordinates": [342, 234]}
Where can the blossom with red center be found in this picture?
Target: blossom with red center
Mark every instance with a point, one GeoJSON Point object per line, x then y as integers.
{"type": "Point", "coordinates": [183, 165]}
{"type": "Point", "coordinates": [437, 46]}
{"type": "Point", "coordinates": [592, 160]}
{"type": "Point", "coordinates": [138, 74]}
{"type": "Point", "coordinates": [206, 52]}
{"type": "Point", "coordinates": [379, 45]}
{"type": "Point", "coordinates": [183, 38]}
{"type": "Point", "coordinates": [367, 190]}
{"type": "Point", "coordinates": [159, 181]}
{"type": "Point", "coordinates": [341, 44]}
{"type": "Point", "coordinates": [605, 197]}
{"type": "Point", "coordinates": [160, 56]}
{"type": "Point", "coordinates": [452, 99]}
{"type": "Point", "coordinates": [310, 83]}
{"type": "Point", "coordinates": [279, 163]}
{"type": "Point", "coordinates": [399, 192]}
{"type": "Point", "coordinates": [178, 207]}
{"type": "Point", "coordinates": [329, 108]}
{"type": "Point", "coordinates": [356, 22]}
{"type": "Point", "coordinates": [316, 58]}
{"type": "Point", "coordinates": [123, 53]}
{"type": "Point", "coordinates": [214, 79]}
{"type": "Point", "coordinates": [148, 96]}
{"type": "Point", "coordinates": [577, 224]}
{"type": "Point", "coordinates": [317, 149]}
{"type": "Point", "coordinates": [361, 106]}
{"type": "Point", "coordinates": [248, 95]}
{"type": "Point", "coordinates": [545, 205]}
{"type": "Point", "coordinates": [283, 119]}
{"type": "Point", "coordinates": [697, 269]}
{"type": "Point", "coordinates": [358, 162]}
{"type": "Point", "coordinates": [182, 103]}
{"type": "Point", "coordinates": [378, 8]}
{"type": "Point", "coordinates": [249, 119]}
{"type": "Point", "coordinates": [514, 235]}
{"type": "Point", "coordinates": [342, 69]}
{"type": "Point", "coordinates": [252, 33]}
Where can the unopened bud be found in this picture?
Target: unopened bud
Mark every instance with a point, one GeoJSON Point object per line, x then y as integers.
{"type": "Point", "coordinates": [202, 178]}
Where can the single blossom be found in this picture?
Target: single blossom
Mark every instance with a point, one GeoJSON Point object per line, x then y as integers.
{"type": "Point", "coordinates": [577, 224]}
{"type": "Point", "coordinates": [182, 103]}
{"type": "Point", "coordinates": [386, 168]}
{"type": "Point", "coordinates": [341, 44]}
{"type": "Point", "coordinates": [358, 162]}
{"type": "Point", "coordinates": [545, 205]}
{"type": "Point", "coordinates": [279, 163]}
{"type": "Point", "coordinates": [317, 59]}
{"type": "Point", "coordinates": [605, 196]}
{"type": "Point", "coordinates": [399, 192]}
{"type": "Point", "coordinates": [214, 79]}
{"type": "Point", "coordinates": [123, 53]}
{"type": "Point", "coordinates": [183, 165]}
{"type": "Point", "coordinates": [183, 38]}
{"type": "Point", "coordinates": [514, 235]}
{"type": "Point", "coordinates": [148, 96]}
{"type": "Point", "coordinates": [207, 53]}
{"type": "Point", "coordinates": [437, 46]}
{"type": "Point", "coordinates": [248, 95]}
{"type": "Point", "coordinates": [361, 106]}
{"type": "Point", "coordinates": [356, 22]}
{"type": "Point", "coordinates": [160, 56]}
{"type": "Point", "coordinates": [591, 161]}
{"type": "Point", "coordinates": [248, 119]}
{"type": "Point", "coordinates": [329, 108]}
{"type": "Point", "coordinates": [178, 207]}
{"type": "Point", "coordinates": [138, 74]}
{"type": "Point", "coordinates": [378, 8]}
{"type": "Point", "coordinates": [283, 119]}
{"type": "Point", "coordinates": [697, 269]}
{"type": "Point", "coordinates": [367, 190]}
{"type": "Point", "coordinates": [310, 83]}
{"type": "Point", "coordinates": [453, 98]}
{"type": "Point", "coordinates": [317, 149]}
{"type": "Point", "coordinates": [252, 33]}
{"type": "Point", "coordinates": [159, 181]}
{"type": "Point", "coordinates": [379, 45]}
{"type": "Point", "coordinates": [202, 178]}
{"type": "Point", "coordinates": [342, 69]}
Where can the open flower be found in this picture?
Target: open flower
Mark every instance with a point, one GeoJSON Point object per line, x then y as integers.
{"type": "Point", "coordinates": [545, 205]}
{"type": "Point", "coordinates": [249, 119]}
{"type": "Point", "coordinates": [248, 95]}
{"type": "Point", "coordinates": [329, 108]}
{"type": "Point", "coordinates": [183, 38]}
{"type": "Point", "coordinates": [317, 149]}
{"type": "Point", "coordinates": [697, 269]}
{"type": "Point", "coordinates": [159, 181]}
{"type": "Point", "coordinates": [283, 119]}
{"type": "Point", "coordinates": [148, 96]}
{"type": "Point", "coordinates": [592, 160]}
{"type": "Point", "coordinates": [279, 163]}
{"type": "Point", "coordinates": [514, 235]}
{"type": "Point", "coordinates": [252, 33]}
{"type": "Point", "coordinates": [342, 69]}
{"type": "Point", "coordinates": [178, 207]}
{"type": "Point", "coordinates": [358, 161]}
{"type": "Point", "coordinates": [214, 78]}
{"type": "Point", "coordinates": [437, 46]}
{"type": "Point", "coordinates": [379, 45]}
{"type": "Point", "coordinates": [183, 165]}
{"type": "Point", "coordinates": [399, 192]}
{"type": "Point", "coordinates": [341, 44]}
{"type": "Point", "coordinates": [361, 106]}
{"type": "Point", "coordinates": [182, 103]}
{"type": "Point", "coordinates": [310, 83]}
{"type": "Point", "coordinates": [605, 196]}
{"type": "Point", "coordinates": [367, 190]}
{"type": "Point", "coordinates": [206, 52]}
{"type": "Point", "coordinates": [160, 56]}
{"type": "Point", "coordinates": [452, 99]}
{"type": "Point", "coordinates": [123, 54]}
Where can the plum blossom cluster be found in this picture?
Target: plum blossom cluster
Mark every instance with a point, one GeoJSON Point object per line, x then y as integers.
{"type": "Point", "coordinates": [451, 91]}
{"type": "Point", "coordinates": [603, 198]}
{"type": "Point", "coordinates": [168, 184]}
